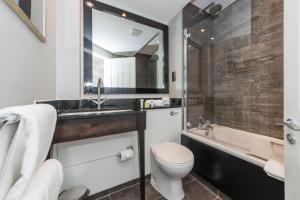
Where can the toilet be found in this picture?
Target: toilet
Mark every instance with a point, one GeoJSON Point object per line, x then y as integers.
{"type": "Point", "coordinates": [170, 163]}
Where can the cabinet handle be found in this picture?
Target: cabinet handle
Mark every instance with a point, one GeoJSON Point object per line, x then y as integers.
{"type": "Point", "coordinates": [173, 113]}
{"type": "Point", "coordinates": [290, 139]}
{"type": "Point", "coordinates": [291, 125]}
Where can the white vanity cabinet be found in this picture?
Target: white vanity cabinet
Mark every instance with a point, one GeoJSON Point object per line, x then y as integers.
{"type": "Point", "coordinates": [94, 162]}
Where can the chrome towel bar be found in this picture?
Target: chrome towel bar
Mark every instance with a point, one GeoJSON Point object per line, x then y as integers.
{"type": "Point", "coordinates": [9, 118]}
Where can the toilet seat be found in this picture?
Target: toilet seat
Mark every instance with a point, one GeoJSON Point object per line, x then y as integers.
{"type": "Point", "coordinates": [173, 154]}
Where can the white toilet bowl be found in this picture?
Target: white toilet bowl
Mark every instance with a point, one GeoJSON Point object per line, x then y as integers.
{"type": "Point", "coordinates": [172, 162]}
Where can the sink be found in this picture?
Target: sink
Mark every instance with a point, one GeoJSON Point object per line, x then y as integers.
{"type": "Point", "coordinates": [87, 113]}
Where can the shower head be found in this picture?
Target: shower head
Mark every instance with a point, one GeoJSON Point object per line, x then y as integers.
{"type": "Point", "coordinates": [213, 9]}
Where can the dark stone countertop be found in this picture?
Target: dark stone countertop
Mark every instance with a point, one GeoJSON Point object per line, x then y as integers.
{"type": "Point", "coordinates": [93, 114]}
{"type": "Point", "coordinates": [86, 105]}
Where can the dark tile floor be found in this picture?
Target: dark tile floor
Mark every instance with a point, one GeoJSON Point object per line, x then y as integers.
{"type": "Point", "coordinates": [195, 189]}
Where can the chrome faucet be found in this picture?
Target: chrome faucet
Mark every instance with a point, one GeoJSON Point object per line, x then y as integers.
{"type": "Point", "coordinates": [207, 127]}
{"type": "Point", "coordinates": [203, 125]}
{"type": "Point", "coordinates": [99, 102]}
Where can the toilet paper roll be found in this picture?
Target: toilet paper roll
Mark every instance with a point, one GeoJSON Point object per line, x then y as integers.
{"type": "Point", "coordinates": [126, 155]}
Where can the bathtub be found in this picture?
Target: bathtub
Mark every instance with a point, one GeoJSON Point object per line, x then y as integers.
{"type": "Point", "coordinates": [233, 160]}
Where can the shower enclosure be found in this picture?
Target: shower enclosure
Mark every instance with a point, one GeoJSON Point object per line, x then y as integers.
{"type": "Point", "coordinates": [233, 95]}
{"type": "Point", "coordinates": [234, 66]}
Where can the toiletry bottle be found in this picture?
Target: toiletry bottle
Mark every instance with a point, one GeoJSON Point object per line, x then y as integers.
{"type": "Point", "coordinates": [147, 104]}
{"type": "Point", "coordinates": [142, 104]}
{"type": "Point", "coordinates": [152, 104]}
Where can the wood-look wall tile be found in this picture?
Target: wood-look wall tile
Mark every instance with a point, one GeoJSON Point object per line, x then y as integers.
{"type": "Point", "coordinates": [247, 69]}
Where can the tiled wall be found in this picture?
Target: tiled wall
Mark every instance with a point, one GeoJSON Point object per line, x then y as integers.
{"type": "Point", "coordinates": [243, 67]}
{"type": "Point", "coordinates": [146, 71]}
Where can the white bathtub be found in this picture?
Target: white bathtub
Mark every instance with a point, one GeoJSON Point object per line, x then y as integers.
{"type": "Point", "coordinates": [254, 148]}
{"type": "Point", "coordinates": [234, 161]}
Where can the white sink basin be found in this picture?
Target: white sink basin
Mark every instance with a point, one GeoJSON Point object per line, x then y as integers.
{"type": "Point", "coordinates": [86, 113]}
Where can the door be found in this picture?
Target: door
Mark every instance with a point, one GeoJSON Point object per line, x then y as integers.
{"type": "Point", "coordinates": [292, 98]}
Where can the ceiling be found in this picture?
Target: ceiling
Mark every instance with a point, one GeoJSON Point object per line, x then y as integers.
{"type": "Point", "coordinates": [162, 11]}
{"type": "Point", "coordinates": [115, 34]}
{"type": "Point", "coordinates": [204, 3]}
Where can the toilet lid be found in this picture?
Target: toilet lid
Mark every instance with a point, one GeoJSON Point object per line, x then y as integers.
{"type": "Point", "coordinates": [173, 153]}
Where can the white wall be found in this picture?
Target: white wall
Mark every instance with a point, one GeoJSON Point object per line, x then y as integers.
{"type": "Point", "coordinates": [27, 68]}
{"type": "Point", "coordinates": [176, 55]}
{"type": "Point", "coordinates": [68, 49]}
{"type": "Point", "coordinates": [37, 14]}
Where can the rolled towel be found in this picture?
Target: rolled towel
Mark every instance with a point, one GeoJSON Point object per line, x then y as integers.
{"type": "Point", "coordinates": [28, 149]}
{"type": "Point", "coordinates": [46, 182]}
{"type": "Point", "coordinates": [275, 169]}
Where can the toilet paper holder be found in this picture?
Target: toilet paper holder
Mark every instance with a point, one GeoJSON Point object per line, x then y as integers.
{"type": "Point", "coordinates": [120, 153]}
{"type": "Point", "coordinates": [129, 147]}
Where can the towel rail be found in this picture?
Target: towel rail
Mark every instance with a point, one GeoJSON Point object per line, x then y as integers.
{"type": "Point", "coordinates": [9, 118]}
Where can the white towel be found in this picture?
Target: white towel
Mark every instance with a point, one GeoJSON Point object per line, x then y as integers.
{"type": "Point", "coordinates": [46, 182]}
{"type": "Point", "coordinates": [28, 150]}
{"type": "Point", "coordinates": [7, 134]}
{"type": "Point", "coordinates": [275, 169]}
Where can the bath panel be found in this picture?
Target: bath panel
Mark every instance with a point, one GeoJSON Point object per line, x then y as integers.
{"type": "Point", "coordinates": [237, 178]}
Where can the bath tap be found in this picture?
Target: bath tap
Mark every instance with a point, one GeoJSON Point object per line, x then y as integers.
{"type": "Point", "coordinates": [204, 125]}
{"type": "Point", "coordinates": [99, 102]}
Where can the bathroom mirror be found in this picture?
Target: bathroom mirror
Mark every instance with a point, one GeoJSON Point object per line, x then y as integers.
{"type": "Point", "coordinates": [32, 13]}
{"type": "Point", "coordinates": [129, 53]}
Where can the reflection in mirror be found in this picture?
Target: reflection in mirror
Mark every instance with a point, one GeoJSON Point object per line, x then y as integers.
{"type": "Point", "coordinates": [32, 12]}
{"type": "Point", "coordinates": [124, 53]}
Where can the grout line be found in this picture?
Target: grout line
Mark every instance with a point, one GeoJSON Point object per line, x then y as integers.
{"type": "Point", "coordinates": [194, 179]}
{"type": "Point", "coordinates": [217, 197]}
{"type": "Point", "coordinates": [158, 197]}
{"type": "Point", "coordinates": [189, 181]}
{"type": "Point", "coordinates": [124, 189]}
{"type": "Point", "coordinates": [206, 187]}
{"type": "Point", "coordinates": [103, 197]}
{"type": "Point", "coordinates": [110, 193]}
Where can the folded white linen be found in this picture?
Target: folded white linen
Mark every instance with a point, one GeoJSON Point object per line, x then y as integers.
{"type": "Point", "coordinates": [7, 134]}
{"type": "Point", "coordinates": [28, 150]}
{"type": "Point", "coordinates": [46, 182]}
{"type": "Point", "coordinates": [275, 169]}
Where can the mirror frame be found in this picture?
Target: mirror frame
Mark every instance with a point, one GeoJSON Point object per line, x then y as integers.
{"type": "Point", "coordinates": [27, 20]}
{"type": "Point", "coordinates": [88, 5]}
